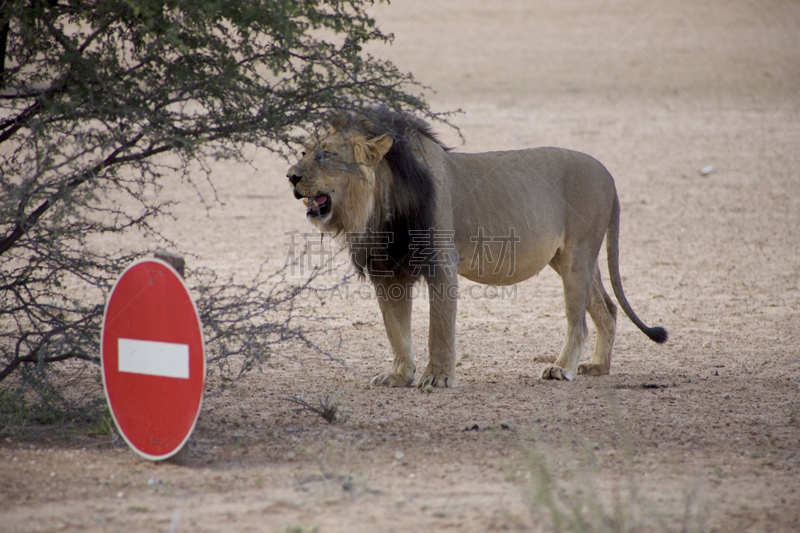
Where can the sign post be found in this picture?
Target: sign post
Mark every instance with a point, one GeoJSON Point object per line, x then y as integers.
{"type": "Point", "coordinates": [152, 356]}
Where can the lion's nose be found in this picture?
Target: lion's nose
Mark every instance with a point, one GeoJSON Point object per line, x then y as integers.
{"type": "Point", "coordinates": [294, 178]}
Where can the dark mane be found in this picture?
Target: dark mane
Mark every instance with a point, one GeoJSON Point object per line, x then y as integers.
{"type": "Point", "coordinates": [396, 124]}
{"type": "Point", "coordinates": [406, 216]}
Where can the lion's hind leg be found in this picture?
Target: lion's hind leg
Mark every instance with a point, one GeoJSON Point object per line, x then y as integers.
{"type": "Point", "coordinates": [576, 274]}
{"type": "Point", "coordinates": [604, 316]}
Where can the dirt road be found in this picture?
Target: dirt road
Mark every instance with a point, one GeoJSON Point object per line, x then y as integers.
{"type": "Point", "coordinates": [702, 433]}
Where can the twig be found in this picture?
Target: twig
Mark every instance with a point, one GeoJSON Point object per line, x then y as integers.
{"type": "Point", "coordinates": [327, 406]}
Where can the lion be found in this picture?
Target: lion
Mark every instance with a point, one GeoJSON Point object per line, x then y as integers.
{"type": "Point", "coordinates": [407, 207]}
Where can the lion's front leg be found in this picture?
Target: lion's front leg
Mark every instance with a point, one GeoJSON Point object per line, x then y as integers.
{"type": "Point", "coordinates": [395, 302]}
{"type": "Point", "coordinates": [443, 296]}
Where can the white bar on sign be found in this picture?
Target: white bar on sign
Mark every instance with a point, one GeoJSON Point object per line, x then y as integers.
{"type": "Point", "coordinates": [153, 358]}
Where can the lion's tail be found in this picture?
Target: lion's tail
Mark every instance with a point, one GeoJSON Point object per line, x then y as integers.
{"type": "Point", "coordinates": [657, 334]}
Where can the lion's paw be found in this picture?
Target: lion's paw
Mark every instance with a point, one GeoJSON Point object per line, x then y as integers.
{"type": "Point", "coordinates": [592, 369]}
{"type": "Point", "coordinates": [556, 372]}
{"type": "Point", "coordinates": [439, 380]}
{"type": "Point", "coordinates": [392, 379]}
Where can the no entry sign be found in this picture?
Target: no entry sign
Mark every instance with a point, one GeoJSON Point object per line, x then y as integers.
{"type": "Point", "coordinates": [152, 355]}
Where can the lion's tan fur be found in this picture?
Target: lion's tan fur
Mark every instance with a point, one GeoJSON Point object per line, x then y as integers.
{"type": "Point", "coordinates": [554, 206]}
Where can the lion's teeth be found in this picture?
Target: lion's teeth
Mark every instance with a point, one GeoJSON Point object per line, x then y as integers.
{"type": "Point", "coordinates": [305, 202]}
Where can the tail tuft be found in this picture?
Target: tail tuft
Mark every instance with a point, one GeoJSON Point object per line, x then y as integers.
{"type": "Point", "coordinates": [657, 334]}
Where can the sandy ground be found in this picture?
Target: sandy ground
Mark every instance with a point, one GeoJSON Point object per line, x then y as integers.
{"type": "Point", "coordinates": [702, 433]}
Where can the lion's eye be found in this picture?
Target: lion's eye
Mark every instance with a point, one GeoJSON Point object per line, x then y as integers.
{"type": "Point", "coordinates": [323, 155]}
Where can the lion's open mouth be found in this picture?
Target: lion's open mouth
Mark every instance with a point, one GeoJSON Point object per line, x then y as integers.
{"type": "Point", "coordinates": [318, 206]}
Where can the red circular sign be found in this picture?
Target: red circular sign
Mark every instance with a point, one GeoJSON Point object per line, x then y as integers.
{"type": "Point", "coordinates": [152, 355]}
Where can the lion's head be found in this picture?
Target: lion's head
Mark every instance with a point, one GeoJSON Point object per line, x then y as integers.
{"type": "Point", "coordinates": [361, 178]}
{"type": "Point", "coordinates": [336, 178]}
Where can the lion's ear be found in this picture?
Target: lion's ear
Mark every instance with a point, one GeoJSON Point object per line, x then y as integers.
{"type": "Point", "coordinates": [371, 151]}
{"type": "Point", "coordinates": [379, 147]}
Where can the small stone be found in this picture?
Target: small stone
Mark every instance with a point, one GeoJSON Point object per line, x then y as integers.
{"type": "Point", "coordinates": [708, 170]}
{"type": "Point", "coordinates": [399, 456]}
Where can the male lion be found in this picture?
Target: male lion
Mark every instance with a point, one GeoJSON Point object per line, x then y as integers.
{"type": "Point", "coordinates": [407, 207]}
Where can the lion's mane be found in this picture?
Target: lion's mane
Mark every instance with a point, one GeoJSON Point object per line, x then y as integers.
{"type": "Point", "coordinates": [404, 205]}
